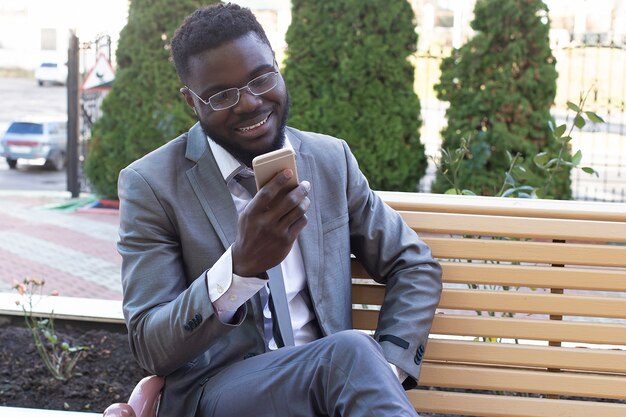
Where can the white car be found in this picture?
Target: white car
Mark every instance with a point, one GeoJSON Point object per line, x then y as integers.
{"type": "Point", "coordinates": [51, 72]}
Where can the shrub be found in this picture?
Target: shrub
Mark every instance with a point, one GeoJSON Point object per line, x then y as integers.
{"type": "Point", "coordinates": [500, 86]}
{"type": "Point", "coordinates": [144, 108]}
{"type": "Point", "coordinates": [348, 74]}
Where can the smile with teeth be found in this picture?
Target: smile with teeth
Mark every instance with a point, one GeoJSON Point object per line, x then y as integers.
{"type": "Point", "coordinates": [254, 126]}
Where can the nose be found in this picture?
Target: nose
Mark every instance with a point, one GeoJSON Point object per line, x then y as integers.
{"type": "Point", "coordinates": [248, 102]}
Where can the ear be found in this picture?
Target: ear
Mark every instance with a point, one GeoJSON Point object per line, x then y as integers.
{"type": "Point", "coordinates": [185, 92]}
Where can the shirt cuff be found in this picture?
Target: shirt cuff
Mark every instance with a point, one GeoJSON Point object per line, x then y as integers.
{"type": "Point", "coordinates": [399, 372]}
{"type": "Point", "coordinates": [227, 290]}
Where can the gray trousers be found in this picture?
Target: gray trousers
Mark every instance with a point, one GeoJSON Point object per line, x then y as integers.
{"type": "Point", "coordinates": [344, 374]}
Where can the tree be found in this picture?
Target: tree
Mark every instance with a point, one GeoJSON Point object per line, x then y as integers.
{"type": "Point", "coordinates": [349, 75]}
{"type": "Point", "coordinates": [500, 86]}
{"type": "Point", "coordinates": [144, 108]}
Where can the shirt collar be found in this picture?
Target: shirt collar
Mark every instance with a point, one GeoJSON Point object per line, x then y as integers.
{"type": "Point", "coordinates": [229, 165]}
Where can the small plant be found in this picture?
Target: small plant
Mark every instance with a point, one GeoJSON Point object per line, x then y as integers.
{"type": "Point", "coordinates": [517, 177]}
{"type": "Point", "coordinates": [58, 357]}
{"type": "Point", "coordinates": [552, 165]}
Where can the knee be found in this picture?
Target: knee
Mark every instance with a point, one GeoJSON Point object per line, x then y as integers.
{"type": "Point", "coordinates": [355, 342]}
{"type": "Point", "coordinates": [357, 354]}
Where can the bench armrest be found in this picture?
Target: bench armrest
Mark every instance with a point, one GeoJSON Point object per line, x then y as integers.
{"type": "Point", "coordinates": [143, 400]}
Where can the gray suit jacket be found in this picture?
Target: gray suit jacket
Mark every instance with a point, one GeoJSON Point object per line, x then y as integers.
{"type": "Point", "coordinates": [177, 218]}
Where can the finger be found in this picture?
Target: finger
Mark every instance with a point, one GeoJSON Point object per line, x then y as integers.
{"type": "Point", "coordinates": [297, 227]}
{"type": "Point", "coordinates": [295, 213]}
{"type": "Point", "coordinates": [274, 187]}
{"type": "Point", "coordinates": [284, 203]}
{"type": "Point", "coordinates": [293, 205]}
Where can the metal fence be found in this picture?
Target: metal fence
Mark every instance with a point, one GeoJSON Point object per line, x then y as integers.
{"type": "Point", "coordinates": [595, 67]}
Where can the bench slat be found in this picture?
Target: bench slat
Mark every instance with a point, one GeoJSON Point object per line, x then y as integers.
{"type": "Point", "coordinates": [533, 303]}
{"type": "Point", "coordinates": [484, 405]}
{"type": "Point", "coordinates": [517, 251]}
{"type": "Point", "coordinates": [537, 382]}
{"type": "Point", "coordinates": [519, 227]}
{"type": "Point", "coordinates": [511, 301]}
{"type": "Point", "coordinates": [576, 278]}
{"type": "Point", "coordinates": [593, 279]}
{"type": "Point", "coordinates": [612, 361]}
{"type": "Point", "coordinates": [519, 207]}
{"type": "Point", "coordinates": [531, 329]}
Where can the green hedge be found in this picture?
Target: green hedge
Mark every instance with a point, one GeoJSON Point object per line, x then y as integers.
{"type": "Point", "coordinates": [144, 108]}
{"type": "Point", "coordinates": [500, 86]}
{"type": "Point", "coordinates": [349, 76]}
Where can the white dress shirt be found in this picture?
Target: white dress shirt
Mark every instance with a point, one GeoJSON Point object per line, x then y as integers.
{"type": "Point", "coordinates": [228, 291]}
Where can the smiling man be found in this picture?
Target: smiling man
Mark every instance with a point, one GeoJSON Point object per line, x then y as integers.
{"type": "Point", "coordinates": [199, 247]}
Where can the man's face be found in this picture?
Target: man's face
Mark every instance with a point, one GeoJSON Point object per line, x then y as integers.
{"type": "Point", "coordinates": [255, 125]}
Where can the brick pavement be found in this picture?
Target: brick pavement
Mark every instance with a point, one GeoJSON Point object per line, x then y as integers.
{"type": "Point", "coordinates": [73, 250]}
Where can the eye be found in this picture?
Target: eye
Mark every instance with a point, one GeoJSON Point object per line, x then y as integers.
{"type": "Point", "coordinates": [261, 81]}
{"type": "Point", "coordinates": [225, 95]}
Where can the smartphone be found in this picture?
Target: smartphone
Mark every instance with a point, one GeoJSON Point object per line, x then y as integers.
{"type": "Point", "coordinates": [266, 166]}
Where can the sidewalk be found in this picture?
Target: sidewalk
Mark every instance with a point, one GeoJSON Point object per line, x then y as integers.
{"type": "Point", "coordinates": [74, 251]}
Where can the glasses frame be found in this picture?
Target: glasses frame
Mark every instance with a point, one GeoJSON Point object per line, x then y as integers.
{"type": "Point", "coordinates": [245, 87]}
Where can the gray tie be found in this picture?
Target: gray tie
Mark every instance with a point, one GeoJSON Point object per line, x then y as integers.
{"type": "Point", "coordinates": [283, 335]}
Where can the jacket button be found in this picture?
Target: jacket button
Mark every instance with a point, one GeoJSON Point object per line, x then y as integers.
{"type": "Point", "coordinates": [419, 355]}
{"type": "Point", "coordinates": [187, 327]}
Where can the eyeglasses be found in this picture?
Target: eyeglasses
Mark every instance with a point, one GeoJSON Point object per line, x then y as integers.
{"type": "Point", "coordinates": [230, 97]}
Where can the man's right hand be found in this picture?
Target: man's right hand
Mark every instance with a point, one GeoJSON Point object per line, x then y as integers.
{"type": "Point", "coordinates": [269, 225]}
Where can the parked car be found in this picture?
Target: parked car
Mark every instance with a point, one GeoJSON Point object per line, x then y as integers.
{"type": "Point", "coordinates": [51, 72]}
{"type": "Point", "coordinates": [44, 141]}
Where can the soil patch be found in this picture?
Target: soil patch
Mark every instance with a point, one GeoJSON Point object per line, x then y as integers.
{"type": "Point", "coordinates": [106, 375]}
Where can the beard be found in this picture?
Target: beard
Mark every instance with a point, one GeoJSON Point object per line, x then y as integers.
{"type": "Point", "coordinates": [242, 155]}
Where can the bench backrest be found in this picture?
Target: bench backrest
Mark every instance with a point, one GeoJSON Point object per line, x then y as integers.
{"type": "Point", "coordinates": [532, 320]}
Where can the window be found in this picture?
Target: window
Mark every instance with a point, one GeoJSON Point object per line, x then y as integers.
{"type": "Point", "coordinates": [48, 39]}
{"type": "Point", "coordinates": [26, 128]}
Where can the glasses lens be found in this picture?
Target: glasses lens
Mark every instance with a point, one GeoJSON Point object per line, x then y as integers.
{"type": "Point", "coordinates": [224, 99]}
{"type": "Point", "coordinates": [263, 84]}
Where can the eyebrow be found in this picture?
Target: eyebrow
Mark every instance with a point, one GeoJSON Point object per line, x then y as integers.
{"type": "Point", "coordinates": [209, 91]}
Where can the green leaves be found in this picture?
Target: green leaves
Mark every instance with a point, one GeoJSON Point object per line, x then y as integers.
{"type": "Point", "coordinates": [541, 159]}
{"type": "Point", "coordinates": [579, 122]}
{"type": "Point", "coordinates": [454, 191]}
{"type": "Point", "coordinates": [594, 117]}
{"type": "Point", "coordinates": [349, 75]}
{"type": "Point", "coordinates": [591, 171]}
{"type": "Point", "coordinates": [573, 107]}
{"type": "Point", "coordinates": [559, 131]}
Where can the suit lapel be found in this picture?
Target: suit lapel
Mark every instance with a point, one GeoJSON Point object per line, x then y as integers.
{"type": "Point", "coordinates": [210, 189]}
{"type": "Point", "coordinates": [310, 237]}
{"type": "Point", "coordinates": [208, 185]}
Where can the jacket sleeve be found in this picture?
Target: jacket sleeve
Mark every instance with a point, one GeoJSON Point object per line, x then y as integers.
{"type": "Point", "coordinates": [162, 311]}
{"type": "Point", "coordinates": [392, 253]}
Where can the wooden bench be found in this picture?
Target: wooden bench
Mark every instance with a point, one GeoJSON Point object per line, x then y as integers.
{"type": "Point", "coordinates": [532, 320]}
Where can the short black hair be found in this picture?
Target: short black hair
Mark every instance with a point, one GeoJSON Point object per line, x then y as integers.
{"type": "Point", "coordinates": [210, 27]}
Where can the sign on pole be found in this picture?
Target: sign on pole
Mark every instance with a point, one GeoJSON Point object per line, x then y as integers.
{"type": "Point", "coordinates": [100, 76]}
